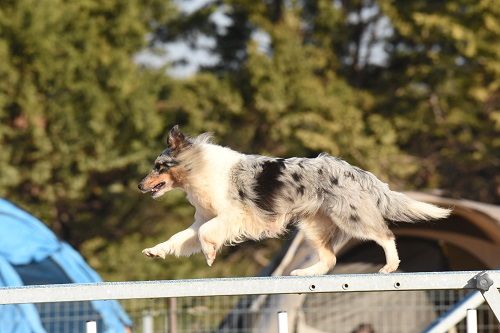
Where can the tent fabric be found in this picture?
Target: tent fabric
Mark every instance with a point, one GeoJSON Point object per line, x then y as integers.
{"type": "Point", "coordinates": [23, 237]}
{"type": "Point", "coordinates": [17, 318]}
{"type": "Point", "coordinates": [62, 315]}
{"type": "Point", "coordinates": [76, 268]}
{"type": "Point", "coordinates": [24, 240]}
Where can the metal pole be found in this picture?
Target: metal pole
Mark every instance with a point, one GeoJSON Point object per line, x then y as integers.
{"type": "Point", "coordinates": [282, 322]}
{"type": "Point", "coordinates": [492, 297]}
{"type": "Point", "coordinates": [172, 315]}
{"type": "Point", "coordinates": [147, 323]}
{"type": "Point", "coordinates": [91, 327]}
{"type": "Point", "coordinates": [471, 321]}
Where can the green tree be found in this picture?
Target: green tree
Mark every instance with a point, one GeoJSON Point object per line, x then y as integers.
{"type": "Point", "coordinates": [80, 125]}
{"type": "Point", "coordinates": [77, 114]}
{"type": "Point", "coordinates": [287, 99]}
{"type": "Point", "coordinates": [445, 99]}
{"type": "Point", "coordinates": [418, 81]}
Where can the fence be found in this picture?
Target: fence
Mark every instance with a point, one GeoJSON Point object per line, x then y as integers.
{"type": "Point", "coordinates": [450, 286]}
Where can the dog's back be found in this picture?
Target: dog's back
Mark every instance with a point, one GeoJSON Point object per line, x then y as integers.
{"type": "Point", "coordinates": [303, 186]}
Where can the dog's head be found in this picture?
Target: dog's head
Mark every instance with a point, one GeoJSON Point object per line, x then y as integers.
{"type": "Point", "coordinates": [167, 172]}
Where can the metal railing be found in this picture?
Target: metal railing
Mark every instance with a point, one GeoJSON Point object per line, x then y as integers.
{"type": "Point", "coordinates": [485, 283]}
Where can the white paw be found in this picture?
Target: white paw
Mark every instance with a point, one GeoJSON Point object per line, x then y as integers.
{"type": "Point", "coordinates": [210, 252]}
{"type": "Point", "coordinates": [210, 261]}
{"type": "Point", "coordinates": [211, 257]}
{"type": "Point", "coordinates": [305, 272]}
{"type": "Point", "coordinates": [389, 268]}
{"type": "Point", "coordinates": [155, 252]}
{"type": "Point", "coordinates": [316, 269]}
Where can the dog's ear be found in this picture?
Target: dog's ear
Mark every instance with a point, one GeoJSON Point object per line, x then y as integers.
{"type": "Point", "coordinates": [176, 139]}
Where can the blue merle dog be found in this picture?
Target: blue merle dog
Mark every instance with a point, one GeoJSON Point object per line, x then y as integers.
{"type": "Point", "coordinates": [240, 197]}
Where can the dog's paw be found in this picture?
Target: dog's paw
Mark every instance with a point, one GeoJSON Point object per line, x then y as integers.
{"type": "Point", "coordinates": [389, 268]}
{"type": "Point", "coordinates": [316, 269]}
{"type": "Point", "coordinates": [155, 252]}
{"type": "Point", "coordinates": [210, 261]}
{"type": "Point", "coordinates": [305, 272]}
{"type": "Point", "coordinates": [210, 254]}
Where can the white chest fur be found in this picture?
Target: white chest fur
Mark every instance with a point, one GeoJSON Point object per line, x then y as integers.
{"type": "Point", "coordinates": [209, 180]}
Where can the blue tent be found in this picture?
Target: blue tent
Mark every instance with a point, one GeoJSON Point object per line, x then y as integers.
{"type": "Point", "coordinates": [31, 254]}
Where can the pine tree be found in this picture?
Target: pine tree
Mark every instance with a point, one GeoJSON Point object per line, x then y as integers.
{"type": "Point", "coordinates": [420, 78]}
{"type": "Point", "coordinates": [76, 112]}
{"type": "Point", "coordinates": [443, 80]}
{"type": "Point", "coordinates": [286, 100]}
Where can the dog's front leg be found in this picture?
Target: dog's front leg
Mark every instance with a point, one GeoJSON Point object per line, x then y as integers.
{"type": "Point", "coordinates": [183, 243]}
{"type": "Point", "coordinates": [213, 234]}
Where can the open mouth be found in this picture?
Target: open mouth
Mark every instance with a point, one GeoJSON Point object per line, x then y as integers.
{"type": "Point", "coordinates": [157, 188]}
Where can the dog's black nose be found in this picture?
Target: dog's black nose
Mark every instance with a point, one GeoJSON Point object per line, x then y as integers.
{"type": "Point", "coordinates": [140, 186]}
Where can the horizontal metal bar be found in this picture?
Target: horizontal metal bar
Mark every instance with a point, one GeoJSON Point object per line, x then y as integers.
{"type": "Point", "coordinates": [243, 286]}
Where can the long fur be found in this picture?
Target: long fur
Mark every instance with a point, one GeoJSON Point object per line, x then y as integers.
{"type": "Point", "coordinates": [239, 197]}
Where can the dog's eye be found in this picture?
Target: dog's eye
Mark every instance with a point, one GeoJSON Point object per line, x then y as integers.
{"type": "Point", "coordinates": [162, 167]}
{"type": "Point", "coordinates": [169, 164]}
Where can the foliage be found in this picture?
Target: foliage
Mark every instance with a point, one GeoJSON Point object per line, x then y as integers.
{"type": "Point", "coordinates": [76, 111]}
{"type": "Point", "coordinates": [287, 100]}
{"type": "Point", "coordinates": [80, 125]}
{"type": "Point", "coordinates": [407, 90]}
{"type": "Point", "coordinates": [446, 103]}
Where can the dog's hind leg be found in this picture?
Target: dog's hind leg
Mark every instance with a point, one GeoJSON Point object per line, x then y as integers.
{"type": "Point", "coordinates": [375, 229]}
{"type": "Point", "coordinates": [362, 219]}
{"type": "Point", "coordinates": [322, 235]}
{"type": "Point", "coordinates": [388, 243]}
{"type": "Point", "coordinates": [183, 243]}
{"type": "Point", "coordinates": [380, 233]}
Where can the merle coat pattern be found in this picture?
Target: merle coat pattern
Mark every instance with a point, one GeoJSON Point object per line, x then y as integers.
{"type": "Point", "coordinates": [239, 197]}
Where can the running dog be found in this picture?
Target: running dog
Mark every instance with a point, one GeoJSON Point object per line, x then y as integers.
{"type": "Point", "coordinates": [239, 197]}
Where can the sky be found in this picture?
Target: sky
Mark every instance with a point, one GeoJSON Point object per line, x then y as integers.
{"type": "Point", "coordinates": [174, 52]}
{"type": "Point", "coordinates": [185, 61]}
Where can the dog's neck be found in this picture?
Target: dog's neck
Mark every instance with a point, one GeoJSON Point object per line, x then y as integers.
{"type": "Point", "coordinates": [207, 179]}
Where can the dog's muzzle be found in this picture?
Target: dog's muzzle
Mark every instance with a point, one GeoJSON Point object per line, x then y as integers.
{"type": "Point", "coordinates": [154, 190]}
{"type": "Point", "coordinates": [141, 188]}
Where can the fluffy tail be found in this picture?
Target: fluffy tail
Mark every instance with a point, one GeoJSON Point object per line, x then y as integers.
{"type": "Point", "coordinates": [400, 207]}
